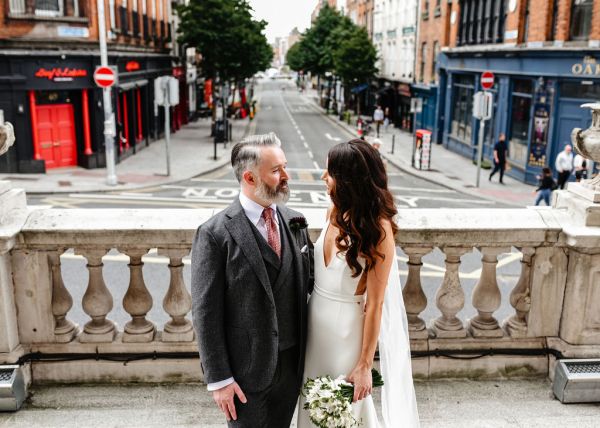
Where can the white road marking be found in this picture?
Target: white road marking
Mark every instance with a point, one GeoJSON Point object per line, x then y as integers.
{"type": "Point", "coordinates": [310, 154]}
{"type": "Point", "coordinates": [316, 164]}
{"type": "Point", "coordinates": [329, 137]}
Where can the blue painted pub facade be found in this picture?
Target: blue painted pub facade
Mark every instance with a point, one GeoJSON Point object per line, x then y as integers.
{"type": "Point", "coordinates": [537, 99]}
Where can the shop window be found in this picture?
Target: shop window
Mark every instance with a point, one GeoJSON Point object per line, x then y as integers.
{"type": "Point", "coordinates": [462, 111]}
{"type": "Point", "coordinates": [520, 120]}
{"type": "Point", "coordinates": [581, 19]}
{"type": "Point", "coordinates": [481, 22]}
{"type": "Point", "coordinates": [579, 90]}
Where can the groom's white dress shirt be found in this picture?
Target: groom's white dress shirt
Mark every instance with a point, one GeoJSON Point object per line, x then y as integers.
{"type": "Point", "coordinates": [254, 213]}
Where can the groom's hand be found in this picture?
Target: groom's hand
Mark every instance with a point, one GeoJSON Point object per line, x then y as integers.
{"type": "Point", "coordinates": [224, 398]}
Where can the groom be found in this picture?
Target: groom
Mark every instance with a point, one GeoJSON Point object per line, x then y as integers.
{"type": "Point", "coordinates": [251, 275]}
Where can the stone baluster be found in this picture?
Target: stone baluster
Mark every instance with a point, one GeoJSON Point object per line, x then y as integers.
{"type": "Point", "coordinates": [137, 302]}
{"type": "Point", "coordinates": [520, 297]}
{"type": "Point", "coordinates": [97, 301]}
{"type": "Point", "coordinates": [486, 295]}
{"type": "Point", "coordinates": [415, 300]}
{"type": "Point", "coordinates": [178, 301]}
{"type": "Point", "coordinates": [62, 302]}
{"type": "Point", "coordinates": [450, 297]}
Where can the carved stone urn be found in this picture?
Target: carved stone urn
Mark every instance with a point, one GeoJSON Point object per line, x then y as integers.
{"type": "Point", "coordinates": [587, 144]}
{"type": "Point", "coordinates": [7, 137]}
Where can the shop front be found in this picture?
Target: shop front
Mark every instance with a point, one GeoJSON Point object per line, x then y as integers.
{"type": "Point", "coordinates": [537, 99]}
{"type": "Point", "coordinates": [56, 109]}
{"type": "Point", "coordinates": [403, 117]}
{"type": "Point", "coordinates": [426, 118]}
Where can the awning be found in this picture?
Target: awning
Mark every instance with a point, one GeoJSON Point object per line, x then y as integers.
{"type": "Point", "coordinates": [125, 86]}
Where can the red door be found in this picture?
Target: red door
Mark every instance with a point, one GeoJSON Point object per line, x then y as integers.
{"type": "Point", "coordinates": [56, 130]}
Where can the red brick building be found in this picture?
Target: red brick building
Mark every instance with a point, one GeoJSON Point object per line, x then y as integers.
{"type": "Point", "coordinates": [545, 55]}
{"type": "Point", "coordinates": [48, 54]}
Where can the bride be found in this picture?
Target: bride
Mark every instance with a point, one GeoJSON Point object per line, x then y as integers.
{"type": "Point", "coordinates": [357, 300]}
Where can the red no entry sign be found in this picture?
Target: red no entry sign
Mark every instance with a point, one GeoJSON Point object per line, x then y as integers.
{"type": "Point", "coordinates": [487, 80]}
{"type": "Point", "coordinates": [105, 77]}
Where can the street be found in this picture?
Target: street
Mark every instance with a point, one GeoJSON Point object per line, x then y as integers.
{"type": "Point", "coordinates": [306, 136]}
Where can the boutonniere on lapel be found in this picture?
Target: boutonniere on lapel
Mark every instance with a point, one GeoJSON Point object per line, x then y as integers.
{"type": "Point", "coordinates": [298, 223]}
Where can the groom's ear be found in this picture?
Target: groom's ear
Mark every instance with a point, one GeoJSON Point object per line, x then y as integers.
{"type": "Point", "coordinates": [249, 178]}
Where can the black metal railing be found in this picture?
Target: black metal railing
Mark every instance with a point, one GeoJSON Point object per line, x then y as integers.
{"type": "Point", "coordinates": [154, 32]}
{"type": "Point", "coordinates": [146, 25]}
{"type": "Point", "coordinates": [135, 24]}
{"type": "Point", "coordinates": [123, 20]}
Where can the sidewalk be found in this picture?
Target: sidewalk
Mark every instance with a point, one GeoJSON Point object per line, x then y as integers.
{"type": "Point", "coordinates": [191, 150]}
{"type": "Point", "coordinates": [448, 169]}
{"type": "Point", "coordinates": [442, 404]}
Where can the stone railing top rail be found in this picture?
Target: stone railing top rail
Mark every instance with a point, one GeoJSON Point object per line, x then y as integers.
{"type": "Point", "coordinates": [176, 227]}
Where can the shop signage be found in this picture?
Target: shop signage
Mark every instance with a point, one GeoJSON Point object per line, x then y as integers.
{"type": "Point", "coordinates": [65, 74]}
{"type": "Point", "coordinates": [588, 67]}
{"type": "Point", "coordinates": [67, 31]}
{"type": "Point", "coordinates": [132, 66]}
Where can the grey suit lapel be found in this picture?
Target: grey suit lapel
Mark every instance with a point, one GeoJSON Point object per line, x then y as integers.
{"type": "Point", "coordinates": [240, 229]}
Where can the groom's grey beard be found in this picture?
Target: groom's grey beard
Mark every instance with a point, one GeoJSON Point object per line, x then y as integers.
{"type": "Point", "coordinates": [273, 195]}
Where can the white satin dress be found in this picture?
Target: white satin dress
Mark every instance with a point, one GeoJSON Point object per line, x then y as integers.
{"type": "Point", "coordinates": [335, 333]}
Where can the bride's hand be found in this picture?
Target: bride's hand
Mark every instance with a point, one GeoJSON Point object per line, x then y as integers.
{"type": "Point", "coordinates": [363, 382]}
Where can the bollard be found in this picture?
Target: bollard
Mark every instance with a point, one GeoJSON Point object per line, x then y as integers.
{"type": "Point", "coordinates": [393, 143]}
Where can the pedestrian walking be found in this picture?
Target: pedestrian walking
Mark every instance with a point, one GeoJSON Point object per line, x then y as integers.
{"type": "Point", "coordinates": [500, 150]}
{"type": "Point", "coordinates": [378, 117]}
{"type": "Point", "coordinates": [386, 120]}
{"type": "Point", "coordinates": [545, 187]}
{"type": "Point", "coordinates": [564, 165]}
{"type": "Point", "coordinates": [580, 165]}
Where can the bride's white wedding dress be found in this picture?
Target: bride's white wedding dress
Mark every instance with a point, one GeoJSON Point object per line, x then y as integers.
{"type": "Point", "coordinates": [335, 330]}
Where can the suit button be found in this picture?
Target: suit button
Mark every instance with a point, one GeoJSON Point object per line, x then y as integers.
{"type": "Point", "coordinates": [274, 333]}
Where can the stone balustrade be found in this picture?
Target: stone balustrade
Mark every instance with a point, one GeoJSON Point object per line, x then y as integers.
{"type": "Point", "coordinates": [554, 299]}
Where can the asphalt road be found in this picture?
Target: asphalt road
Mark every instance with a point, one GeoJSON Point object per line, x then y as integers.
{"type": "Point", "coordinates": [307, 136]}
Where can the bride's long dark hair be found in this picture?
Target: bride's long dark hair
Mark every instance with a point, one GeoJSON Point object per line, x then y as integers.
{"type": "Point", "coordinates": [361, 199]}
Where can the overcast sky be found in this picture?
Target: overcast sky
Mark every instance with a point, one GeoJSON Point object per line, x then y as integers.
{"type": "Point", "coordinates": [283, 15]}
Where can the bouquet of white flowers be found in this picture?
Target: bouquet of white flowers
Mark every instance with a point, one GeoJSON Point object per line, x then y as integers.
{"type": "Point", "coordinates": [329, 401]}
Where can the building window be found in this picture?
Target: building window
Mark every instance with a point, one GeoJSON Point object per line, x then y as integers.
{"type": "Point", "coordinates": [436, 52]}
{"type": "Point", "coordinates": [48, 8]}
{"type": "Point", "coordinates": [520, 120]}
{"type": "Point", "coordinates": [463, 108]}
{"type": "Point", "coordinates": [481, 22]}
{"type": "Point", "coordinates": [423, 62]}
{"type": "Point", "coordinates": [526, 25]}
{"type": "Point", "coordinates": [581, 19]}
{"type": "Point", "coordinates": [554, 20]}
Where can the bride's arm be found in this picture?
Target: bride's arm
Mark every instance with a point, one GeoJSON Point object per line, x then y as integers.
{"type": "Point", "coordinates": [377, 279]}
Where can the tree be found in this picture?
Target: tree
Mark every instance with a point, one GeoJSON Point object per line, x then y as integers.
{"type": "Point", "coordinates": [355, 58]}
{"type": "Point", "coordinates": [231, 42]}
{"type": "Point", "coordinates": [295, 57]}
{"type": "Point", "coordinates": [316, 43]}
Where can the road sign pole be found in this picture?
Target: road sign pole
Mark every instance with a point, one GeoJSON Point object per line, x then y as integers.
{"type": "Point", "coordinates": [109, 120]}
{"type": "Point", "coordinates": [480, 149]}
{"type": "Point", "coordinates": [167, 126]}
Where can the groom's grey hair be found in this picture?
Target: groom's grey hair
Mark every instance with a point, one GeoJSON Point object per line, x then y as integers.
{"type": "Point", "coordinates": [245, 155]}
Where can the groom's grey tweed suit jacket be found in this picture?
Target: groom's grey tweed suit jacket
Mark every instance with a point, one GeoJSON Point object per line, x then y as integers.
{"type": "Point", "coordinates": [233, 307]}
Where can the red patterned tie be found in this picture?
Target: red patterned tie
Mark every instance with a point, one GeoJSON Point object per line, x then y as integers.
{"type": "Point", "coordinates": [272, 234]}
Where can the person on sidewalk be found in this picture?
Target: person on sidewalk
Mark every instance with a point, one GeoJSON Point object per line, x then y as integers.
{"type": "Point", "coordinates": [564, 165]}
{"type": "Point", "coordinates": [378, 117]}
{"type": "Point", "coordinates": [545, 187]}
{"type": "Point", "coordinates": [580, 164]}
{"type": "Point", "coordinates": [500, 150]}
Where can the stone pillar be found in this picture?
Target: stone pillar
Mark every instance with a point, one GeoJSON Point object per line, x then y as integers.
{"type": "Point", "coordinates": [178, 301]}
{"type": "Point", "coordinates": [13, 213]}
{"type": "Point", "coordinates": [137, 302]}
{"type": "Point", "coordinates": [415, 300]}
{"type": "Point", "coordinates": [450, 297]}
{"type": "Point", "coordinates": [486, 295]}
{"type": "Point", "coordinates": [520, 297]}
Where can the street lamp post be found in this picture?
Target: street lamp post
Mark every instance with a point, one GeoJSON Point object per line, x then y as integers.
{"type": "Point", "coordinates": [109, 120]}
